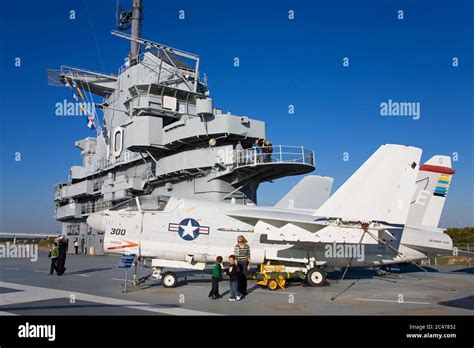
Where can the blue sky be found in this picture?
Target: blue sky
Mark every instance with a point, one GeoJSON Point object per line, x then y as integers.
{"type": "Point", "coordinates": [282, 62]}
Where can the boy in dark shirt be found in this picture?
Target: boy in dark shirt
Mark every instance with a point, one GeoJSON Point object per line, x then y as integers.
{"type": "Point", "coordinates": [216, 278]}
{"type": "Point", "coordinates": [234, 271]}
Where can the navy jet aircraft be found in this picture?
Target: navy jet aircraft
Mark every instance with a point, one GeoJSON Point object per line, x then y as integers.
{"type": "Point", "coordinates": [386, 213]}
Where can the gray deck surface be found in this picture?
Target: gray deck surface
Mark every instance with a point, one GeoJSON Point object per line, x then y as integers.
{"type": "Point", "coordinates": [92, 285]}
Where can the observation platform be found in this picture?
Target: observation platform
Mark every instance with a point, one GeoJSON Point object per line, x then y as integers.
{"type": "Point", "coordinates": [266, 164]}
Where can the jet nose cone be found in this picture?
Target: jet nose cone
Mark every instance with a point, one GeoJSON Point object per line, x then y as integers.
{"type": "Point", "coordinates": [96, 221]}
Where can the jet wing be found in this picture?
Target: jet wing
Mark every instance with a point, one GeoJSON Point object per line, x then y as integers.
{"type": "Point", "coordinates": [305, 220]}
{"type": "Point", "coordinates": [275, 216]}
{"type": "Point", "coordinates": [300, 227]}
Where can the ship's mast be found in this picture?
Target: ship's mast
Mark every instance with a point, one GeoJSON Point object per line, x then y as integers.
{"type": "Point", "coordinates": [136, 28]}
{"type": "Point", "coordinates": [131, 19]}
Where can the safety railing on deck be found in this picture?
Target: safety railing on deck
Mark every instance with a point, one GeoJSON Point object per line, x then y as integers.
{"type": "Point", "coordinates": [89, 208]}
{"type": "Point", "coordinates": [128, 63]}
{"type": "Point", "coordinates": [454, 259]}
{"type": "Point", "coordinates": [273, 154]}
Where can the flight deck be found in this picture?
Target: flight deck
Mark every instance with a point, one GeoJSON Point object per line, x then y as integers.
{"type": "Point", "coordinates": [93, 285]}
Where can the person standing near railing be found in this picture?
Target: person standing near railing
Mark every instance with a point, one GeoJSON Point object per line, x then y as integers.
{"type": "Point", "coordinates": [239, 151]}
{"type": "Point", "coordinates": [270, 150]}
{"type": "Point", "coordinates": [267, 151]}
{"type": "Point", "coordinates": [263, 145]}
{"type": "Point", "coordinates": [257, 151]}
{"type": "Point", "coordinates": [251, 154]}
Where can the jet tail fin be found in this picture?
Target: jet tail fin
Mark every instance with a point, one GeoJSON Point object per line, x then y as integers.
{"type": "Point", "coordinates": [432, 184]}
{"type": "Point", "coordinates": [309, 193]}
{"type": "Point", "coordinates": [380, 189]}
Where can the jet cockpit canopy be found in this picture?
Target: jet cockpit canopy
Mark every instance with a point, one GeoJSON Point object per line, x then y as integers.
{"type": "Point", "coordinates": [146, 202]}
{"type": "Point", "coordinates": [153, 202]}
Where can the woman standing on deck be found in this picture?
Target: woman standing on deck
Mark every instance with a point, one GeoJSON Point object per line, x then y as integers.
{"type": "Point", "coordinates": [242, 253]}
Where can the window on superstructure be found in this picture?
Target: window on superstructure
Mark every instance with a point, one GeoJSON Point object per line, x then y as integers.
{"type": "Point", "coordinates": [155, 89]}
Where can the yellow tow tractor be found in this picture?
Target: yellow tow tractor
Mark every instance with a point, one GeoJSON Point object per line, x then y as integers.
{"type": "Point", "coordinates": [274, 276]}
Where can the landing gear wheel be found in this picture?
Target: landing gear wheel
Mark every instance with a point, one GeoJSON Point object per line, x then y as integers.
{"type": "Point", "coordinates": [316, 277]}
{"type": "Point", "coordinates": [272, 284]}
{"type": "Point", "coordinates": [169, 280]}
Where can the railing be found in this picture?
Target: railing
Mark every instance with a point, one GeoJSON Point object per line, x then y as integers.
{"type": "Point", "coordinates": [464, 246]}
{"type": "Point", "coordinates": [58, 191]}
{"type": "Point", "coordinates": [273, 154]}
{"type": "Point", "coordinates": [128, 64]}
{"type": "Point", "coordinates": [68, 210]}
{"type": "Point", "coordinates": [89, 208]}
{"type": "Point", "coordinates": [231, 159]}
{"type": "Point", "coordinates": [460, 247]}
{"type": "Point", "coordinates": [104, 164]}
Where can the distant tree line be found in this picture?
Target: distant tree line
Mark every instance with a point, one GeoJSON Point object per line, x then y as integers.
{"type": "Point", "coordinates": [461, 235]}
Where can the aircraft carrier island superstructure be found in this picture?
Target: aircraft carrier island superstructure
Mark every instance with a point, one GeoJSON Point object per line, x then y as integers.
{"type": "Point", "coordinates": [160, 133]}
